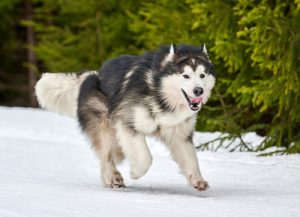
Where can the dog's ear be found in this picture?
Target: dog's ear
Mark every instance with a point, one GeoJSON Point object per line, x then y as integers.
{"type": "Point", "coordinates": [204, 50]}
{"type": "Point", "coordinates": [170, 55]}
{"type": "Point", "coordinates": [172, 50]}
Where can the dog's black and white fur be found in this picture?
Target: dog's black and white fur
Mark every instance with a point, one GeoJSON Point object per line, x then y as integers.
{"type": "Point", "coordinates": [157, 94]}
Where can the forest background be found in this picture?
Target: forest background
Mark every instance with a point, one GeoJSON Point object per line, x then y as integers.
{"type": "Point", "coordinates": [254, 45]}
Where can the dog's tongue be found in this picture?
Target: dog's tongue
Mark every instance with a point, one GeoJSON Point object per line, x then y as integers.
{"type": "Point", "coordinates": [196, 99]}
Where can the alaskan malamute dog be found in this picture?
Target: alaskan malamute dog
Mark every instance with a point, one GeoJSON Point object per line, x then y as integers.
{"type": "Point", "coordinates": [156, 94]}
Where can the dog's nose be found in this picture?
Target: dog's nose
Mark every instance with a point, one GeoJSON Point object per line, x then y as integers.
{"type": "Point", "coordinates": [198, 91]}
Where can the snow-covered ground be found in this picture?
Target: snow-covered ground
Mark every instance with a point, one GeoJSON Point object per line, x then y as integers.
{"type": "Point", "coordinates": [47, 169]}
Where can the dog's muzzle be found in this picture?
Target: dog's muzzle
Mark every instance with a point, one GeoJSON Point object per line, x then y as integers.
{"type": "Point", "coordinates": [193, 102]}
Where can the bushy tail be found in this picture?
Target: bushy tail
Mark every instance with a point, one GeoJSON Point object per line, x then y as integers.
{"type": "Point", "coordinates": [58, 92]}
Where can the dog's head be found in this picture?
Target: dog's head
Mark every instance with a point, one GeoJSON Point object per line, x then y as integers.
{"type": "Point", "coordinates": [188, 76]}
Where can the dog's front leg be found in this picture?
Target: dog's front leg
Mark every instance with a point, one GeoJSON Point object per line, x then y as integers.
{"type": "Point", "coordinates": [135, 149]}
{"type": "Point", "coordinates": [183, 152]}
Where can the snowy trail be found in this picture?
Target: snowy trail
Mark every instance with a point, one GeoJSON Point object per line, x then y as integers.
{"type": "Point", "coordinates": [47, 169]}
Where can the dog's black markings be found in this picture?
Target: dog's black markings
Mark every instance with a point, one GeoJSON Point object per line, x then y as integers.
{"type": "Point", "coordinates": [108, 100]}
{"type": "Point", "coordinates": [109, 82]}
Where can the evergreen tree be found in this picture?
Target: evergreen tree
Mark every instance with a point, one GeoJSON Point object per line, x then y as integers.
{"type": "Point", "coordinates": [253, 44]}
{"type": "Point", "coordinates": [258, 43]}
{"type": "Point", "coordinates": [79, 35]}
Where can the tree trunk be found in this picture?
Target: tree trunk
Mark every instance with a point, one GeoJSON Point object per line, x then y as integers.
{"type": "Point", "coordinates": [31, 58]}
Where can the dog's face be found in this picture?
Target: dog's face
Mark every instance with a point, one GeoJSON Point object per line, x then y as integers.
{"type": "Point", "coordinates": [188, 77]}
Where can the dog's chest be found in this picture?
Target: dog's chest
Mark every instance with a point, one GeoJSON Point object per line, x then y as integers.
{"type": "Point", "coordinates": [143, 121]}
{"type": "Point", "coordinates": [147, 123]}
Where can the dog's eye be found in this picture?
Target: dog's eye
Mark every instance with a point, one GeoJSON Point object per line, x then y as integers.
{"type": "Point", "coordinates": [202, 76]}
{"type": "Point", "coordinates": [186, 76]}
{"type": "Point", "coordinates": [211, 71]}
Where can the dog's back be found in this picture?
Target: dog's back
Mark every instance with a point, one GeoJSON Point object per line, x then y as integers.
{"type": "Point", "coordinates": [112, 74]}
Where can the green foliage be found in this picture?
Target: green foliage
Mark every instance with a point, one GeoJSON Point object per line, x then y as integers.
{"type": "Point", "coordinates": [81, 34]}
{"type": "Point", "coordinates": [254, 45]}
{"type": "Point", "coordinates": [162, 22]}
{"type": "Point", "coordinates": [261, 48]}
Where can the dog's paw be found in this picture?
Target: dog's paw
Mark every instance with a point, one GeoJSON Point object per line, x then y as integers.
{"type": "Point", "coordinates": [117, 181]}
{"type": "Point", "coordinates": [114, 180]}
{"type": "Point", "coordinates": [199, 184]}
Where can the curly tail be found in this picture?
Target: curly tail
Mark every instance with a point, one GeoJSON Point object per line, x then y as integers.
{"type": "Point", "coordinates": [58, 92]}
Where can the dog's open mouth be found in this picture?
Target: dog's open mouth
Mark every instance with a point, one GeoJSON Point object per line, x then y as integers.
{"type": "Point", "coordinates": [193, 102]}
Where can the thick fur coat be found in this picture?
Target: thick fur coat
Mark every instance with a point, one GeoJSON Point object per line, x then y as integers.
{"type": "Point", "coordinates": [156, 94]}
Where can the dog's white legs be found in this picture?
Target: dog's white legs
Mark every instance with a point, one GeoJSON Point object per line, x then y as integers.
{"type": "Point", "coordinates": [111, 177]}
{"type": "Point", "coordinates": [135, 149]}
{"type": "Point", "coordinates": [183, 152]}
{"type": "Point", "coordinates": [93, 116]}
{"type": "Point", "coordinates": [103, 143]}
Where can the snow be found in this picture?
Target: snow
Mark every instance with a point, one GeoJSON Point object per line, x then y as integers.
{"type": "Point", "coordinates": [47, 169]}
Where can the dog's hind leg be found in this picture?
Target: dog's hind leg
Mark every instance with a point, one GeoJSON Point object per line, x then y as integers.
{"type": "Point", "coordinates": [101, 134]}
{"type": "Point", "coordinates": [103, 142]}
{"type": "Point", "coordinates": [96, 124]}
{"type": "Point", "coordinates": [135, 149]}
